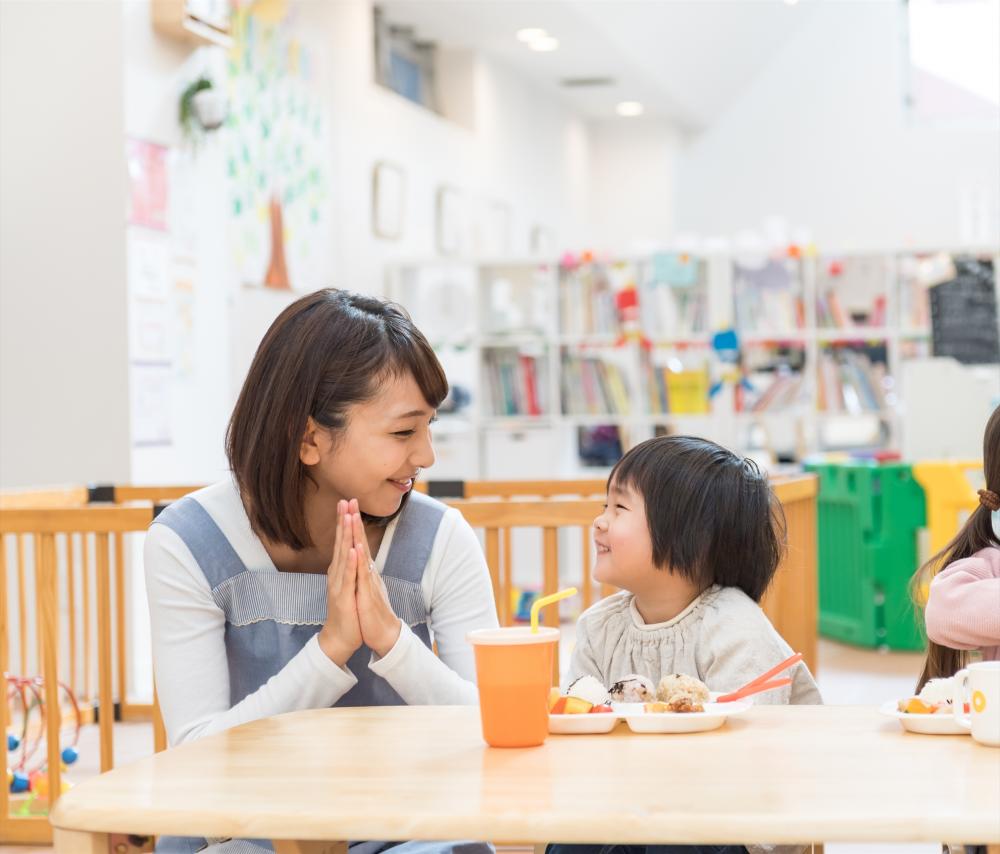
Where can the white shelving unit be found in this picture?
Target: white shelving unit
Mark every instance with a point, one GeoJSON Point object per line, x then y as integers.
{"type": "Point", "coordinates": [478, 313]}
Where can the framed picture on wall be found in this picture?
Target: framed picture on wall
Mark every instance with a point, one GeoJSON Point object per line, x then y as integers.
{"type": "Point", "coordinates": [449, 221]}
{"type": "Point", "coordinates": [388, 200]}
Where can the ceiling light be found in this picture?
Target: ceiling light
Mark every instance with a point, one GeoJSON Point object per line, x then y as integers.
{"type": "Point", "coordinates": [531, 34]}
{"type": "Point", "coordinates": [544, 44]}
{"type": "Point", "coordinates": [629, 108]}
{"type": "Point", "coordinates": [791, 2]}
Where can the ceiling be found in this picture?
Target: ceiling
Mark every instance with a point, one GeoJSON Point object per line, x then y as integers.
{"type": "Point", "coordinates": [685, 60]}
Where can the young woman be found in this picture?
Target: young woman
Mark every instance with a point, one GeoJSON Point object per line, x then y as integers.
{"type": "Point", "coordinates": [314, 576]}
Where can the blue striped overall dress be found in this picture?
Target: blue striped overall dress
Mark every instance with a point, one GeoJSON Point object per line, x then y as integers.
{"type": "Point", "coordinates": [271, 615]}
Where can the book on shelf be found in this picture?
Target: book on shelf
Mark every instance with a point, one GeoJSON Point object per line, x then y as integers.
{"type": "Point", "coordinates": [672, 312]}
{"type": "Point", "coordinates": [769, 298]}
{"type": "Point", "coordinates": [677, 392]}
{"type": "Point", "coordinates": [593, 386]}
{"type": "Point", "coordinates": [780, 392]}
{"type": "Point", "coordinates": [830, 314]}
{"type": "Point", "coordinates": [587, 301]}
{"type": "Point", "coordinates": [850, 382]}
{"type": "Point", "coordinates": [516, 383]}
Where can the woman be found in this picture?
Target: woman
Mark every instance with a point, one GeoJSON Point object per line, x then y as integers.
{"type": "Point", "coordinates": [315, 577]}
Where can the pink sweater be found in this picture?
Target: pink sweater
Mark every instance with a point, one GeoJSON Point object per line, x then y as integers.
{"type": "Point", "coordinates": [963, 610]}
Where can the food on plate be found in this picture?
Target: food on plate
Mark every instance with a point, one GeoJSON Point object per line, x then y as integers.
{"type": "Point", "coordinates": [933, 699]}
{"type": "Point", "coordinates": [584, 696]}
{"type": "Point", "coordinates": [682, 693]}
{"type": "Point", "coordinates": [633, 689]}
{"type": "Point", "coordinates": [590, 689]}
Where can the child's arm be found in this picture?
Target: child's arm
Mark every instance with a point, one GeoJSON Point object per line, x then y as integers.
{"type": "Point", "coordinates": [963, 609]}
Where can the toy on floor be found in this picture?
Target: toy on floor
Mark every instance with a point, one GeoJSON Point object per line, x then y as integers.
{"type": "Point", "coordinates": [28, 775]}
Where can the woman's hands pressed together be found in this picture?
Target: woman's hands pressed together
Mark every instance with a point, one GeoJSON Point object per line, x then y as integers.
{"type": "Point", "coordinates": [358, 609]}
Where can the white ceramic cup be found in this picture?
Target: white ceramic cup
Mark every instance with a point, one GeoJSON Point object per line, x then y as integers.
{"type": "Point", "coordinates": [983, 697]}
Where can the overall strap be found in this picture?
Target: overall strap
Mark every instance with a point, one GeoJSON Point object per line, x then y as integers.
{"type": "Point", "coordinates": [208, 545]}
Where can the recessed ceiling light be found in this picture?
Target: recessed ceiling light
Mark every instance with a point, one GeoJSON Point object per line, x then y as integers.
{"type": "Point", "coordinates": [791, 2]}
{"type": "Point", "coordinates": [530, 34]}
{"type": "Point", "coordinates": [544, 44]}
{"type": "Point", "coordinates": [629, 108]}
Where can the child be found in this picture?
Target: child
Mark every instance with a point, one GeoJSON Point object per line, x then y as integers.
{"type": "Point", "coordinates": [963, 606]}
{"type": "Point", "coordinates": [693, 535]}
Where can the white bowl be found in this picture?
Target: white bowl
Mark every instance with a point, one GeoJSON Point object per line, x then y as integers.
{"type": "Point", "coordinates": [598, 722]}
{"type": "Point", "coordinates": [940, 723]}
{"type": "Point", "coordinates": [714, 716]}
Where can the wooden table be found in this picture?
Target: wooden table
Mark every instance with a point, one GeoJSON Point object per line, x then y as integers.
{"type": "Point", "coordinates": [777, 774]}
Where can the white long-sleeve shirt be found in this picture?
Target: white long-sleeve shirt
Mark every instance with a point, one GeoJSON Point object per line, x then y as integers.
{"type": "Point", "coordinates": [188, 629]}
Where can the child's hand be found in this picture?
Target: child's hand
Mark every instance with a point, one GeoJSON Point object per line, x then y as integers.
{"type": "Point", "coordinates": [380, 626]}
{"type": "Point", "coordinates": [341, 633]}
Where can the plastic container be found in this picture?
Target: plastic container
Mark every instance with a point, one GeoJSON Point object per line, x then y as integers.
{"type": "Point", "coordinates": [950, 488]}
{"type": "Point", "coordinates": [870, 518]}
{"type": "Point", "coordinates": [514, 674]}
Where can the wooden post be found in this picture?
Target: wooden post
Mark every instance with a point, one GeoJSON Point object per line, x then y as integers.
{"type": "Point", "coordinates": [550, 539]}
{"type": "Point", "coordinates": [22, 606]}
{"type": "Point", "coordinates": [46, 578]}
{"type": "Point", "coordinates": [493, 562]}
{"type": "Point", "coordinates": [71, 560]}
{"type": "Point", "coordinates": [87, 652]}
{"type": "Point", "coordinates": [120, 622]}
{"type": "Point", "coordinates": [104, 664]}
{"type": "Point", "coordinates": [4, 655]}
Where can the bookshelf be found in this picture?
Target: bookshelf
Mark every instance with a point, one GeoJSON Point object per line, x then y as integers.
{"type": "Point", "coordinates": [558, 368]}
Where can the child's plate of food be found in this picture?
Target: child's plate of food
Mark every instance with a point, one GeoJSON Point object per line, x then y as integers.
{"type": "Point", "coordinates": [660, 717]}
{"type": "Point", "coordinates": [584, 709]}
{"type": "Point", "coordinates": [929, 712]}
{"type": "Point", "coordinates": [678, 704]}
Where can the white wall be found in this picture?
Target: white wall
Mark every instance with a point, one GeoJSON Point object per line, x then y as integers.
{"type": "Point", "coordinates": [631, 203]}
{"type": "Point", "coordinates": [63, 345]}
{"type": "Point", "coordinates": [520, 147]}
{"type": "Point", "coordinates": [821, 138]}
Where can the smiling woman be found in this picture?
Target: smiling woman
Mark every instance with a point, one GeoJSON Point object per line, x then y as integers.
{"type": "Point", "coordinates": [315, 576]}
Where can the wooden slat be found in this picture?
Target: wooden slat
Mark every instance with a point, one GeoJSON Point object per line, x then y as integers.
{"type": "Point", "coordinates": [22, 606]}
{"type": "Point", "coordinates": [795, 488]}
{"type": "Point", "coordinates": [40, 521]}
{"type": "Point", "coordinates": [26, 830]}
{"type": "Point", "coordinates": [156, 494]}
{"type": "Point", "coordinates": [529, 514]}
{"type": "Point", "coordinates": [70, 496]}
{"type": "Point", "coordinates": [4, 668]}
{"type": "Point", "coordinates": [550, 615]}
{"type": "Point", "coordinates": [586, 582]}
{"type": "Point", "coordinates": [72, 554]}
{"type": "Point", "coordinates": [507, 577]}
{"type": "Point", "coordinates": [46, 579]}
{"type": "Point", "coordinates": [493, 562]}
{"type": "Point", "coordinates": [526, 488]}
{"type": "Point", "coordinates": [120, 625]}
{"type": "Point", "coordinates": [104, 663]}
{"type": "Point", "coordinates": [88, 565]}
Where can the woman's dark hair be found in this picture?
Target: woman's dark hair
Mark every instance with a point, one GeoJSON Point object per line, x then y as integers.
{"type": "Point", "coordinates": [712, 517]}
{"type": "Point", "coordinates": [324, 353]}
{"type": "Point", "coordinates": [976, 534]}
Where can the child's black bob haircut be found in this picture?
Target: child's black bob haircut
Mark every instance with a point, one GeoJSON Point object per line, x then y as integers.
{"type": "Point", "coordinates": [712, 516]}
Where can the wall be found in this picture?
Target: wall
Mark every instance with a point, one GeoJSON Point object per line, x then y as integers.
{"type": "Point", "coordinates": [821, 138]}
{"type": "Point", "coordinates": [63, 345]}
{"type": "Point", "coordinates": [631, 205]}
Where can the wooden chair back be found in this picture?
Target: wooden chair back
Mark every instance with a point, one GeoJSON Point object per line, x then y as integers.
{"type": "Point", "coordinates": [56, 552]}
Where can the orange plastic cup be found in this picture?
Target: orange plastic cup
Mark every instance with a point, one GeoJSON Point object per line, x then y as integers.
{"type": "Point", "coordinates": [514, 673]}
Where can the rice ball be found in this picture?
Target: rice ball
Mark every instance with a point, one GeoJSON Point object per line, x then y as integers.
{"type": "Point", "coordinates": [677, 687]}
{"type": "Point", "coordinates": [633, 689]}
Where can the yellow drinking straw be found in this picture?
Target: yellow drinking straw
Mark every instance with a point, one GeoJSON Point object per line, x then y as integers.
{"type": "Point", "coordinates": [547, 600]}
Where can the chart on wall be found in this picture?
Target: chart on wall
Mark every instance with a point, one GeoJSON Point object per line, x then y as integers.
{"type": "Point", "coordinates": [277, 149]}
